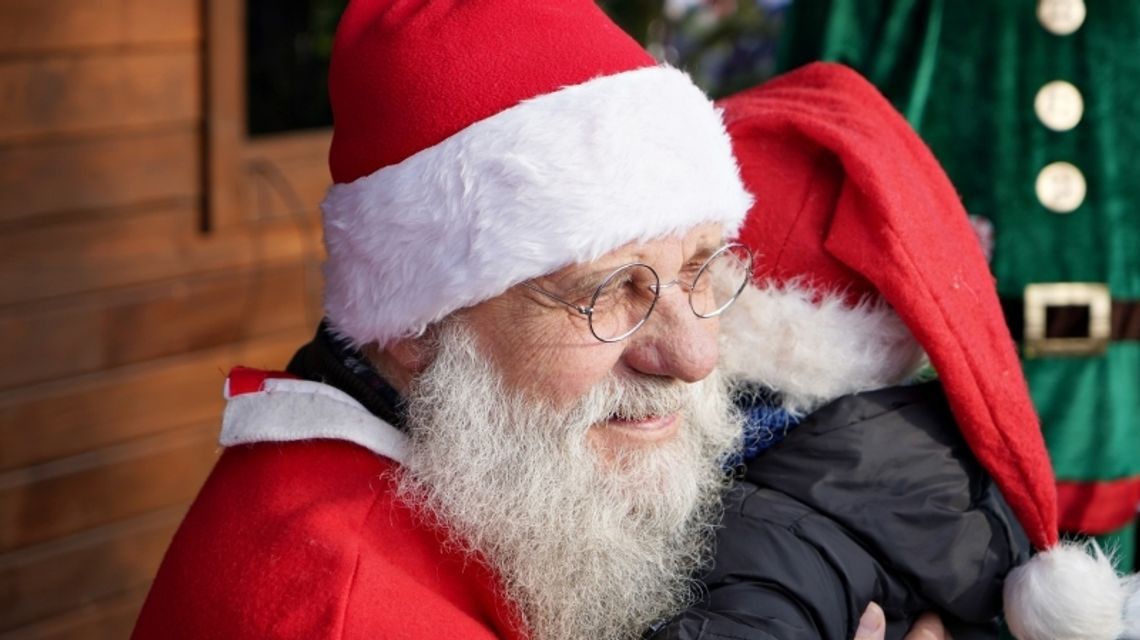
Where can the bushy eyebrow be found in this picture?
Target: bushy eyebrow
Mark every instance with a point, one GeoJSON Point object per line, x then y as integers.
{"type": "Point", "coordinates": [580, 285]}
{"type": "Point", "coordinates": [704, 252]}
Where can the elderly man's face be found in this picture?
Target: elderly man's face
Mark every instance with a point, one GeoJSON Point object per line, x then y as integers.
{"type": "Point", "coordinates": [545, 350]}
{"type": "Point", "coordinates": [594, 522]}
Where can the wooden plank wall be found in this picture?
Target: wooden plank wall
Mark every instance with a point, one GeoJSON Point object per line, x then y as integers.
{"type": "Point", "coordinates": [118, 314]}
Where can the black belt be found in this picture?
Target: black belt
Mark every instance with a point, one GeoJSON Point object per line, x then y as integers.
{"type": "Point", "coordinates": [1070, 319]}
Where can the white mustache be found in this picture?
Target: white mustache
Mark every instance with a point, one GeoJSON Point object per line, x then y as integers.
{"type": "Point", "coordinates": [642, 399]}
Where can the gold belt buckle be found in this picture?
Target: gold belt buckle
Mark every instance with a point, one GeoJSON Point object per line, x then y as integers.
{"type": "Point", "coordinates": [1039, 297]}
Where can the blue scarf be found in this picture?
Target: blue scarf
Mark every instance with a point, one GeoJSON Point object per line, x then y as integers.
{"type": "Point", "coordinates": [767, 423]}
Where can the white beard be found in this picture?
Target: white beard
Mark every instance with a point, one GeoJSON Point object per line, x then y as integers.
{"type": "Point", "coordinates": [586, 546]}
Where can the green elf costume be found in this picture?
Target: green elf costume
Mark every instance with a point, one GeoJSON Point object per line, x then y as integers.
{"type": "Point", "coordinates": [1032, 108]}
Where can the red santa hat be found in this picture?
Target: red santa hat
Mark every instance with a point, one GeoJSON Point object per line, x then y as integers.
{"type": "Point", "coordinates": [864, 252]}
{"type": "Point", "coordinates": [478, 144]}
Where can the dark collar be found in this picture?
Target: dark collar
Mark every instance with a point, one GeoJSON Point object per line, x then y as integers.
{"type": "Point", "coordinates": [333, 361]}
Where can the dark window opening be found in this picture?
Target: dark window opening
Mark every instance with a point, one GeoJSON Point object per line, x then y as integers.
{"type": "Point", "coordinates": [288, 45]}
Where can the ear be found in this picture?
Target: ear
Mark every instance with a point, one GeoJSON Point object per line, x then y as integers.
{"type": "Point", "coordinates": [402, 360]}
{"type": "Point", "coordinates": [411, 354]}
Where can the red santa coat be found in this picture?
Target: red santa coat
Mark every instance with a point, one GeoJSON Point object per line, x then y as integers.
{"type": "Point", "coordinates": [297, 534]}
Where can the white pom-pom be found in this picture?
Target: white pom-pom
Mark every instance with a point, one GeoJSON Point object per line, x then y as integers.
{"type": "Point", "coordinates": [1132, 607]}
{"type": "Point", "coordinates": [1070, 592]}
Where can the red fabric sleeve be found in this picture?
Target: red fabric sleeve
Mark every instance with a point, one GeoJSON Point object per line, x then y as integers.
{"type": "Point", "coordinates": [305, 540]}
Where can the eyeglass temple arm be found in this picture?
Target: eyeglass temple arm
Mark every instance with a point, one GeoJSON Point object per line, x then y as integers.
{"type": "Point", "coordinates": [586, 311]}
{"type": "Point", "coordinates": [656, 288]}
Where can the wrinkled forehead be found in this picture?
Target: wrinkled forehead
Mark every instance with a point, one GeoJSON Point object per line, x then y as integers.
{"type": "Point", "coordinates": [665, 254]}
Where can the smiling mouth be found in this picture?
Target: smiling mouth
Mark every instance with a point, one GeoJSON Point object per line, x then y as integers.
{"type": "Point", "coordinates": [646, 428]}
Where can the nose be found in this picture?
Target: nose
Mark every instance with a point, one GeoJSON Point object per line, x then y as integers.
{"type": "Point", "coordinates": [674, 342]}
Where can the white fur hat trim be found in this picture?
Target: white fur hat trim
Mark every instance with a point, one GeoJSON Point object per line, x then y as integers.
{"type": "Point", "coordinates": [559, 179]}
{"type": "Point", "coordinates": [813, 347]}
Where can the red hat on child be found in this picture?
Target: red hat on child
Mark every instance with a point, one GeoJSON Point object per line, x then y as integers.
{"type": "Point", "coordinates": [854, 223]}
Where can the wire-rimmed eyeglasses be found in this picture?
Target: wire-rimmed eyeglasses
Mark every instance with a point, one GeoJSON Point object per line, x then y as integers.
{"type": "Point", "coordinates": [624, 300]}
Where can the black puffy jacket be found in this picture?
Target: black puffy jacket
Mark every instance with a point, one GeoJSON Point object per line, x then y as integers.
{"type": "Point", "coordinates": [874, 497]}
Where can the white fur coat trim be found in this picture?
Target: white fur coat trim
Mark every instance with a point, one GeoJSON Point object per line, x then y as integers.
{"type": "Point", "coordinates": [293, 410]}
{"type": "Point", "coordinates": [559, 179]}
{"type": "Point", "coordinates": [813, 347]}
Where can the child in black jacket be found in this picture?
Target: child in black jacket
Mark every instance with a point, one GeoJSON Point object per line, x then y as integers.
{"type": "Point", "coordinates": [858, 485]}
{"type": "Point", "coordinates": [873, 497]}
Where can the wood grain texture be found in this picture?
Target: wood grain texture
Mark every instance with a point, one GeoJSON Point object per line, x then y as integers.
{"type": "Point", "coordinates": [72, 337]}
{"type": "Point", "coordinates": [100, 487]}
{"type": "Point", "coordinates": [119, 122]}
{"type": "Point", "coordinates": [124, 247]}
{"type": "Point", "coordinates": [225, 112]}
{"type": "Point", "coordinates": [287, 189]}
{"type": "Point", "coordinates": [287, 175]}
{"type": "Point", "coordinates": [98, 172]}
{"type": "Point", "coordinates": [110, 618]}
{"type": "Point", "coordinates": [103, 90]}
{"type": "Point", "coordinates": [58, 577]}
{"type": "Point", "coordinates": [74, 415]}
{"type": "Point", "coordinates": [162, 21]}
{"type": "Point", "coordinates": [37, 26]}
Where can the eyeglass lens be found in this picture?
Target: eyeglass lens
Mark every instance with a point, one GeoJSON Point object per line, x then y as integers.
{"type": "Point", "coordinates": [720, 281]}
{"type": "Point", "coordinates": [623, 302]}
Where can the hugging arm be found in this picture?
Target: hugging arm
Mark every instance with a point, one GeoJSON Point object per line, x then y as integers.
{"type": "Point", "coordinates": [782, 572]}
